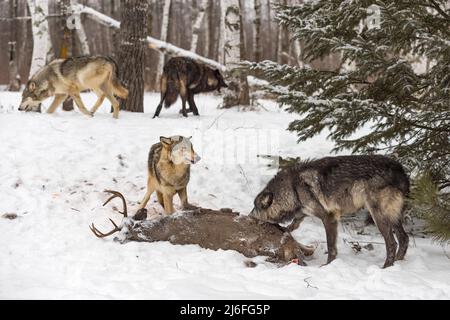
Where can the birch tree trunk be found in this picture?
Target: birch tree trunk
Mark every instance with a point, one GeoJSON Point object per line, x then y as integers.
{"type": "Point", "coordinates": [237, 92]}
{"type": "Point", "coordinates": [42, 47]}
{"type": "Point", "coordinates": [298, 53]}
{"type": "Point", "coordinates": [79, 30]}
{"type": "Point", "coordinates": [163, 38]}
{"type": "Point", "coordinates": [197, 28]}
{"type": "Point", "coordinates": [133, 33]}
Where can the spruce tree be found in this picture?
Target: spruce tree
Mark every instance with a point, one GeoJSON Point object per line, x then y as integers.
{"type": "Point", "coordinates": [378, 85]}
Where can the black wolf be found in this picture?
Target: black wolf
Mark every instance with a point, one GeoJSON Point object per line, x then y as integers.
{"type": "Point", "coordinates": [330, 187]}
{"type": "Point", "coordinates": [185, 77]}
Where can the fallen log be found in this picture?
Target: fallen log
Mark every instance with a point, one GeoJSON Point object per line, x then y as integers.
{"type": "Point", "coordinates": [213, 229]}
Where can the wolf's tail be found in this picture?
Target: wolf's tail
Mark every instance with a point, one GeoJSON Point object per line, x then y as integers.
{"type": "Point", "coordinates": [118, 87]}
{"type": "Point", "coordinates": [170, 84]}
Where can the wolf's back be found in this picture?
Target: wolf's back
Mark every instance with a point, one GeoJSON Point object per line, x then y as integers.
{"type": "Point", "coordinates": [71, 66]}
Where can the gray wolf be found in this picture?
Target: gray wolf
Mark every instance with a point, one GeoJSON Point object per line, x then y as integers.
{"type": "Point", "coordinates": [169, 164]}
{"type": "Point", "coordinates": [185, 77]}
{"type": "Point", "coordinates": [68, 77]}
{"type": "Point", "coordinates": [333, 186]}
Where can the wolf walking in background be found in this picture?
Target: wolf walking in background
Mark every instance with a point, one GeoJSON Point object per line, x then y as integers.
{"type": "Point", "coordinates": [68, 77]}
{"type": "Point", "coordinates": [169, 167]}
{"type": "Point", "coordinates": [185, 77]}
{"type": "Point", "coordinates": [333, 186]}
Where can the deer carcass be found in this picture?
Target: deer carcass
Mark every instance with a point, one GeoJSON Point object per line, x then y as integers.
{"type": "Point", "coordinates": [213, 229]}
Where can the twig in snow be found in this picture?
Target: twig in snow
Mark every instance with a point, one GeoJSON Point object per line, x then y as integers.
{"type": "Point", "coordinates": [308, 285]}
{"type": "Point", "coordinates": [217, 118]}
{"type": "Point", "coordinates": [245, 176]}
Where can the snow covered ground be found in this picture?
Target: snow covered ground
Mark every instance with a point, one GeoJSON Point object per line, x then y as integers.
{"type": "Point", "coordinates": [53, 169]}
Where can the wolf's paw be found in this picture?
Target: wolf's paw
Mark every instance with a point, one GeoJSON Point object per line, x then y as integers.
{"type": "Point", "coordinates": [141, 214]}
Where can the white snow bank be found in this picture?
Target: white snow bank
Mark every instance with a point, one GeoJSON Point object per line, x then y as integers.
{"type": "Point", "coordinates": [53, 170]}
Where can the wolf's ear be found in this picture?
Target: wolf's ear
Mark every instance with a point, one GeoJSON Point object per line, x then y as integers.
{"type": "Point", "coordinates": [265, 200]}
{"type": "Point", "coordinates": [31, 85]}
{"type": "Point", "coordinates": [167, 142]}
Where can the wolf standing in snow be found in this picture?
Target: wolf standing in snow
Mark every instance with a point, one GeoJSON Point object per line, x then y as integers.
{"type": "Point", "coordinates": [185, 77]}
{"type": "Point", "coordinates": [68, 77]}
{"type": "Point", "coordinates": [169, 165]}
{"type": "Point", "coordinates": [330, 187]}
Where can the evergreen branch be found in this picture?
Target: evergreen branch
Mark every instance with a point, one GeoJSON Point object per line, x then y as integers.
{"type": "Point", "coordinates": [438, 9]}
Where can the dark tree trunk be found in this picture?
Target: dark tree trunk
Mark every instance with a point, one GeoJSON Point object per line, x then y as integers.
{"type": "Point", "coordinates": [66, 49]}
{"type": "Point", "coordinates": [133, 31]}
{"type": "Point", "coordinates": [14, 78]}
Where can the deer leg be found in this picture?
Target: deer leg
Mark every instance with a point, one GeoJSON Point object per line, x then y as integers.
{"type": "Point", "coordinates": [59, 98]}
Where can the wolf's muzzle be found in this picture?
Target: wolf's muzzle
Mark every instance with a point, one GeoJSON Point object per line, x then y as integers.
{"type": "Point", "coordinates": [196, 159]}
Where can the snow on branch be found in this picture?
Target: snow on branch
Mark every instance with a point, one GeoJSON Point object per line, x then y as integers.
{"type": "Point", "coordinates": [153, 43]}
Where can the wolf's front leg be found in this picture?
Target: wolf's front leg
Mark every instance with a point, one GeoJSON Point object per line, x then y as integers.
{"type": "Point", "coordinates": [168, 203]}
{"type": "Point", "coordinates": [59, 98]}
{"type": "Point", "coordinates": [183, 198]}
{"type": "Point", "coordinates": [99, 102]}
{"type": "Point", "coordinates": [80, 105]}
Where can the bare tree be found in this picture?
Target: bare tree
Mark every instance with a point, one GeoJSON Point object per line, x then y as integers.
{"type": "Point", "coordinates": [133, 33]}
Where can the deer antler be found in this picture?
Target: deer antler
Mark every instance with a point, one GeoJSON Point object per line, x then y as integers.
{"type": "Point", "coordinates": [115, 194]}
